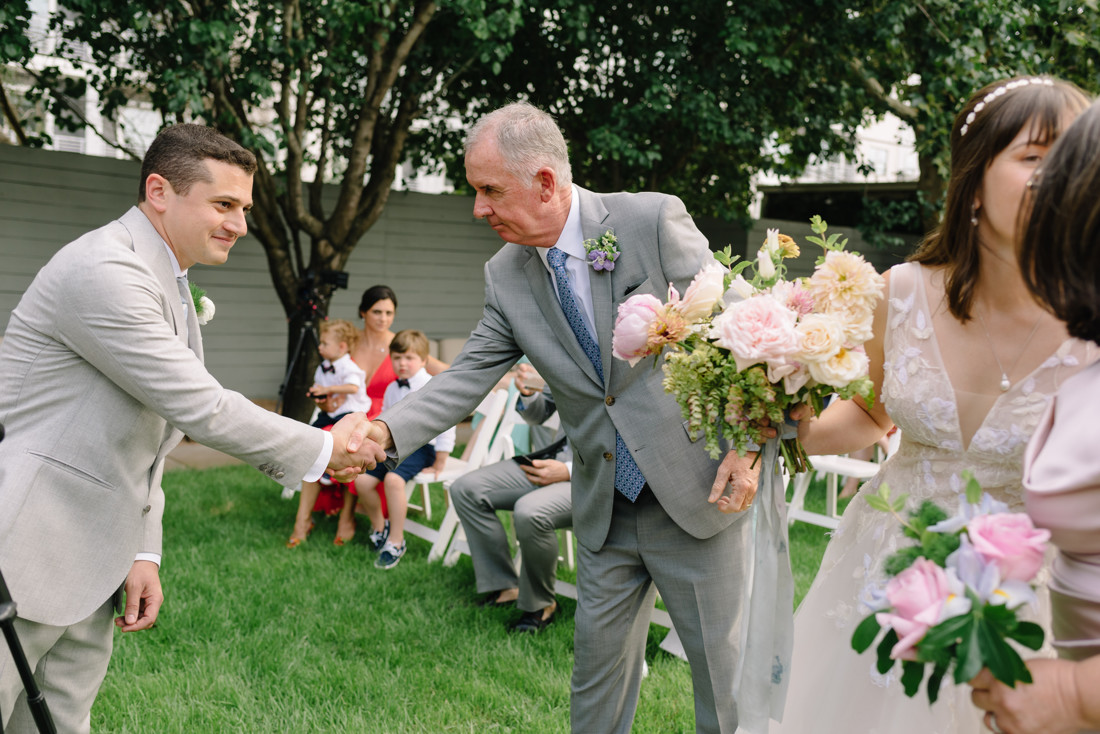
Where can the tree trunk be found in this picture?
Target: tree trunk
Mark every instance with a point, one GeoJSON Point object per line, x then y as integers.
{"type": "Point", "coordinates": [932, 188]}
{"type": "Point", "coordinates": [302, 360]}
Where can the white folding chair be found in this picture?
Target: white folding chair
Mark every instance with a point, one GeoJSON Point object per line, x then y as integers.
{"type": "Point", "coordinates": [491, 410]}
{"type": "Point", "coordinates": [832, 468]}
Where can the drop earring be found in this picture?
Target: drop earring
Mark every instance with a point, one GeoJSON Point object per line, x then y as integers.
{"type": "Point", "coordinates": [974, 216]}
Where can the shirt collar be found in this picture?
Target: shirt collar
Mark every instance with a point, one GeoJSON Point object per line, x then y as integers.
{"type": "Point", "coordinates": [571, 239]}
{"type": "Point", "coordinates": [175, 263]}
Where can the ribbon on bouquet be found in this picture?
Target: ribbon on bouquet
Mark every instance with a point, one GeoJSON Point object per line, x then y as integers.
{"type": "Point", "coordinates": [767, 636]}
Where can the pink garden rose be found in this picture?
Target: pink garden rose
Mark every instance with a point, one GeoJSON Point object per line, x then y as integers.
{"type": "Point", "coordinates": [1011, 542]}
{"type": "Point", "coordinates": [630, 340]}
{"type": "Point", "coordinates": [759, 329]}
{"type": "Point", "coordinates": [917, 596]}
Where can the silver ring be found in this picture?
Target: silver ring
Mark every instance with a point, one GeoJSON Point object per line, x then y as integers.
{"type": "Point", "coordinates": [993, 724]}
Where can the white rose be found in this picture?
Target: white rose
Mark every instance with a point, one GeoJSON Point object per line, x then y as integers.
{"type": "Point", "coordinates": [844, 367]}
{"type": "Point", "coordinates": [205, 311]}
{"type": "Point", "coordinates": [703, 293]}
{"type": "Point", "coordinates": [820, 336]}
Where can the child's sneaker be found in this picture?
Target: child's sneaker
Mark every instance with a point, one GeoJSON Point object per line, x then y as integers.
{"type": "Point", "coordinates": [390, 555]}
{"type": "Point", "coordinates": [378, 538]}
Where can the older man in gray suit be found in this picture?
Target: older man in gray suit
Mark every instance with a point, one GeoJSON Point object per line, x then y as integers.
{"type": "Point", "coordinates": [644, 492]}
{"type": "Point", "coordinates": [101, 374]}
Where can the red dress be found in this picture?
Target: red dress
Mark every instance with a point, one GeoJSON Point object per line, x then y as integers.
{"type": "Point", "coordinates": [331, 498]}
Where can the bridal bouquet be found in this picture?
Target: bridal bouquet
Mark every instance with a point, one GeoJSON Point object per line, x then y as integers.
{"type": "Point", "coordinates": [953, 597]}
{"type": "Point", "coordinates": [744, 343]}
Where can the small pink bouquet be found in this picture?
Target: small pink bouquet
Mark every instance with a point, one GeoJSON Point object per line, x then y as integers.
{"type": "Point", "coordinates": [741, 349]}
{"type": "Point", "coordinates": [952, 599]}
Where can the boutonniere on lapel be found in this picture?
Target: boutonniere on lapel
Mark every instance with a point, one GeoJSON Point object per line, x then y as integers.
{"type": "Point", "coordinates": [204, 307]}
{"type": "Point", "coordinates": [602, 252]}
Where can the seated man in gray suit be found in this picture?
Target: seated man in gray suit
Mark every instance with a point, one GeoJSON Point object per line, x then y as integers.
{"type": "Point", "coordinates": [101, 374]}
{"type": "Point", "coordinates": [646, 495]}
{"type": "Point", "coordinates": [537, 492]}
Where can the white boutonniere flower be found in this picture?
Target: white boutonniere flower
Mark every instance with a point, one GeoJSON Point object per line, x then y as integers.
{"type": "Point", "coordinates": [204, 307]}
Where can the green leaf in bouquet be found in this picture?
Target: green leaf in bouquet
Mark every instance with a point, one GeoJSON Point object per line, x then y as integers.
{"type": "Point", "coordinates": [1028, 634]}
{"type": "Point", "coordinates": [1003, 662]}
{"type": "Point", "coordinates": [939, 643]}
{"type": "Point", "coordinates": [901, 560]}
{"type": "Point", "coordinates": [935, 681]}
{"type": "Point", "coordinates": [865, 633]}
{"type": "Point", "coordinates": [912, 673]}
{"type": "Point", "coordinates": [968, 653]}
{"type": "Point", "coordinates": [726, 257]}
{"type": "Point", "coordinates": [973, 489]}
{"type": "Point", "coordinates": [885, 662]}
{"type": "Point", "coordinates": [938, 546]}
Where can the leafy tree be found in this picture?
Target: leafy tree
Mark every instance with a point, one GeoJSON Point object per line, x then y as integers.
{"type": "Point", "coordinates": [325, 89]}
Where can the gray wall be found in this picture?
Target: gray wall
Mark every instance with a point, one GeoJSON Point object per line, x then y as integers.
{"type": "Point", "coordinates": [429, 249]}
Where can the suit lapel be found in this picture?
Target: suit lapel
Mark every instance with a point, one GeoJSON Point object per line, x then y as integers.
{"type": "Point", "coordinates": [149, 246]}
{"type": "Point", "coordinates": [541, 287]}
{"type": "Point", "coordinates": [593, 217]}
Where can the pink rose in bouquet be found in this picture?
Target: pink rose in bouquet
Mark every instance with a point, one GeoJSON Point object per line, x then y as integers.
{"type": "Point", "coordinates": [757, 330]}
{"type": "Point", "coordinates": [917, 595]}
{"type": "Point", "coordinates": [1011, 542]}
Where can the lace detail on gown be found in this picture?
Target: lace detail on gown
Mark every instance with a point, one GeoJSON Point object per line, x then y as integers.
{"type": "Point", "coordinates": [832, 688]}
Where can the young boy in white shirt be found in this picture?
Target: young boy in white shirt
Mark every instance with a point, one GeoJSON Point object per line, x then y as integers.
{"type": "Point", "coordinates": [408, 353]}
{"type": "Point", "coordinates": [339, 387]}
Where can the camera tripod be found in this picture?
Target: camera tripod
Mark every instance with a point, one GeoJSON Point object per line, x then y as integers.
{"type": "Point", "coordinates": [37, 702]}
{"type": "Point", "coordinates": [308, 329]}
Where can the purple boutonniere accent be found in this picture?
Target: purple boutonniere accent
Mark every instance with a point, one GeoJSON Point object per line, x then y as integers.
{"type": "Point", "coordinates": [602, 252]}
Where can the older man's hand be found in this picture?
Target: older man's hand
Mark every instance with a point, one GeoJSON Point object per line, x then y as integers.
{"type": "Point", "coordinates": [354, 447]}
{"type": "Point", "coordinates": [735, 485]}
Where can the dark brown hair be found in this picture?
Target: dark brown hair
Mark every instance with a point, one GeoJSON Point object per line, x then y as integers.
{"type": "Point", "coordinates": [991, 120]}
{"type": "Point", "coordinates": [179, 153]}
{"type": "Point", "coordinates": [1060, 248]}
{"type": "Point", "coordinates": [410, 340]}
{"type": "Point", "coordinates": [374, 294]}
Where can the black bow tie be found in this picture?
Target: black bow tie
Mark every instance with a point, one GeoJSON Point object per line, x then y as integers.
{"type": "Point", "coordinates": [328, 369]}
{"type": "Point", "coordinates": [401, 382]}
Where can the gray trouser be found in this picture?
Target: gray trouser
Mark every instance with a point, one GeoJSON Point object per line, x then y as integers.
{"type": "Point", "coordinates": [701, 583]}
{"type": "Point", "coordinates": [69, 665]}
{"type": "Point", "coordinates": [537, 513]}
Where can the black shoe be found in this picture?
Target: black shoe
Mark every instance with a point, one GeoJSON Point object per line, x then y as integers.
{"type": "Point", "coordinates": [532, 622]}
{"type": "Point", "coordinates": [491, 600]}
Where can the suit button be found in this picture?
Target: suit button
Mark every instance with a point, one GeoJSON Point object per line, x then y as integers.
{"type": "Point", "coordinates": [145, 510]}
{"type": "Point", "coordinates": [279, 474]}
{"type": "Point", "coordinates": [608, 456]}
{"type": "Point", "coordinates": [609, 400]}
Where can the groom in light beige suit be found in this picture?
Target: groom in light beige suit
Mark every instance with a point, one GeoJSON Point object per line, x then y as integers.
{"type": "Point", "coordinates": [101, 374]}
{"type": "Point", "coordinates": [667, 537]}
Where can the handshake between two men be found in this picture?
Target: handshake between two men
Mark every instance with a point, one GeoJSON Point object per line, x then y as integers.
{"type": "Point", "coordinates": [357, 445]}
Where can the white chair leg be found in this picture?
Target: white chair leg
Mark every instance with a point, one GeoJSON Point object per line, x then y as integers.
{"type": "Point", "coordinates": [446, 531]}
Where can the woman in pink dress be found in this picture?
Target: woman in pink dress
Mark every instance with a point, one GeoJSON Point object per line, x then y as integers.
{"type": "Point", "coordinates": [1060, 261]}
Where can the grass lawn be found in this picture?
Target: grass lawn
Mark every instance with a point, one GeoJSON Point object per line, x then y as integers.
{"type": "Point", "coordinates": [257, 638]}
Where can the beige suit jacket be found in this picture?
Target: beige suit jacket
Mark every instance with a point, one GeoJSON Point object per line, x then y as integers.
{"type": "Point", "coordinates": [97, 385]}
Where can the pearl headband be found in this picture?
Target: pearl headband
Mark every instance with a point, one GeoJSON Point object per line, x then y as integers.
{"type": "Point", "coordinates": [1000, 92]}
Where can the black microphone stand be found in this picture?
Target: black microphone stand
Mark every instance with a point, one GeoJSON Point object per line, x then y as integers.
{"type": "Point", "coordinates": [35, 699]}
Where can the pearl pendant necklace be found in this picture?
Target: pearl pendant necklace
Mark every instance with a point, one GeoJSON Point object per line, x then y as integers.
{"type": "Point", "coordinates": [1005, 384]}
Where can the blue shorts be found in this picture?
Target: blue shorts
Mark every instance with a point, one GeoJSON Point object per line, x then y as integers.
{"type": "Point", "coordinates": [415, 463]}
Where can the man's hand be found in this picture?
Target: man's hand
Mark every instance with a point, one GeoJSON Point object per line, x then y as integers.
{"type": "Point", "coordinates": [143, 597]}
{"type": "Point", "coordinates": [736, 483]}
{"type": "Point", "coordinates": [355, 446]}
{"type": "Point", "coordinates": [545, 472]}
{"type": "Point", "coordinates": [527, 380]}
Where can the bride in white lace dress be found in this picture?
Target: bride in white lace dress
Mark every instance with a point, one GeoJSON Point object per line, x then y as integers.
{"type": "Point", "coordinates": [964, 363]}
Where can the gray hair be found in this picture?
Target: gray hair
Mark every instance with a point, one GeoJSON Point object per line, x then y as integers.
{"type": "Point", "coordinates": [527, 138]}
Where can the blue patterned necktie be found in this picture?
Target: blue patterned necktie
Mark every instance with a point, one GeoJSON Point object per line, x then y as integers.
{"type": "Point", "coordinates": [628, 477]}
